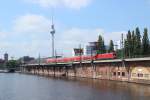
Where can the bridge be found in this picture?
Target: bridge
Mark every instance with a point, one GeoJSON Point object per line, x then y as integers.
{"type": "Point", "coordinates": [130, 70]}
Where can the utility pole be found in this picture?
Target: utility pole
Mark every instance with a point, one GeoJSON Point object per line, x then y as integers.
{"type": "Point", "coordinates": [91, 49]}
{"type": "Point", "coordinates": [116, 47]}
{"type": "Point", "coordinates": [122, 45]}
{"type": "Point", "coordinates": [80, 52]}
{"type": "Point", "coordinates": [39, 59]}
{"type": "Point", "coordinates": [56, 56]}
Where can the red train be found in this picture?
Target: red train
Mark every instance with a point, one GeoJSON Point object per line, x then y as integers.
{"type": "Point", "coordinates": [83, 58]}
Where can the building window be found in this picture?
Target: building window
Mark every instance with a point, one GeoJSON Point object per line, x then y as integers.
{"type": "Point", "coordinates": [123, 73]}
{"type": "Point", "coordinates": [140, 75]}
{"type": "Point", "coordinates": [146, 75]}
{"type": "Point", "coordinates": [114, 73]}
{"type": "Point", "coordinates": [134, 75]}
{"type": "Point", "coordinates": [118, 73]}
{"type": "Point", "coordinates": [100, 73]}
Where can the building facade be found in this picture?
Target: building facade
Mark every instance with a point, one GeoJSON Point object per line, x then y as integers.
{"type": "Point", "coordinates": [6, 57]}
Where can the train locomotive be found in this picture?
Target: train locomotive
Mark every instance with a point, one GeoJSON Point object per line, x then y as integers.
{"type": "Point", "coordinates": [82, 58]}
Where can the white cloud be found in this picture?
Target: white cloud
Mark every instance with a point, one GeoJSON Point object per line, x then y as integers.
{"type": "Point", "coordinates": [74, 4]}
{"type": "Point", "coordinates": [23, 48]}
{"type": "Point", "coordinates": [72, 38]}
{"type": "Point", "coordinates": [31, 23]}
{"type": "Point", "coordinates": [115, 36]}
{"type": "Point", "coordinates": [3, 35]}
{"type": "Point", "coordinates": [46, 3]}
{"type": "Point", "coordinates": [30, 36]}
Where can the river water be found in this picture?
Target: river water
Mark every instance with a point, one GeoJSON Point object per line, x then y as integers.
{"type": "Point", "coordinates": [29, 87]}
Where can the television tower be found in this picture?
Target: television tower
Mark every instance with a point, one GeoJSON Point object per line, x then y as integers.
{"type": "Point", "coordinates": [53, 33]}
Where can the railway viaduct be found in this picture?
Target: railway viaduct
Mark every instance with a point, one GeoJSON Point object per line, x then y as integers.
{"type": "Point", "coordinates": [129, 70]}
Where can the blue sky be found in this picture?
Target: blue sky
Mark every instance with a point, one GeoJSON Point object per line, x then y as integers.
{"type": "Point", "coordinates": [25, 24]}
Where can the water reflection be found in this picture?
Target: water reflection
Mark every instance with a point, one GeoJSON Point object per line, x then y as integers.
{"type": "Point", "coordinates": [28, 87]}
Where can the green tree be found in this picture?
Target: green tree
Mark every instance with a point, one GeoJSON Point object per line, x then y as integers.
{"type": "Point", "coordinates": [133, 41]}
{"type": "Point", "coordinates": [104, 47]}
{"type": "Point", "coordinates": [101, 45]}
{"type": "Point", "coordinates": [138, 47]}
{"type": "Point", "coordinates": [119, 53]}
{"type": "Point", "coordinates": [145, 43]}
{"type": "Point", "coordinates": [111, 46]}
{"type": "Point", "coordinates": [128, 45]}
{"type": "Point", "coordinates": [126, 48]}
{"type": "Point", "coordinates": [12, 64]}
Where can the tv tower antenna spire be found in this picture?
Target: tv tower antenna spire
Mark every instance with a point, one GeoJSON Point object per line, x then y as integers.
{"type": "Point", "coordinates": [53, 33]}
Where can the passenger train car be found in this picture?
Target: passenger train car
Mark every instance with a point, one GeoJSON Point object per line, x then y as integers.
{"type": "Point", "coordinates": [83, 58]}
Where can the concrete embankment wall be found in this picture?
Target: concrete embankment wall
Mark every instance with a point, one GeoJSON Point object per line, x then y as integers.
{"type": "Point", "coordinates": [129, 71]}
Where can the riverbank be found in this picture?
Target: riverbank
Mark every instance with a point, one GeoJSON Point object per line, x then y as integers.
{"type": "Point", "coordinates": [3, 71]}
{"type": "Point", "coordinates": [62, 76]}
